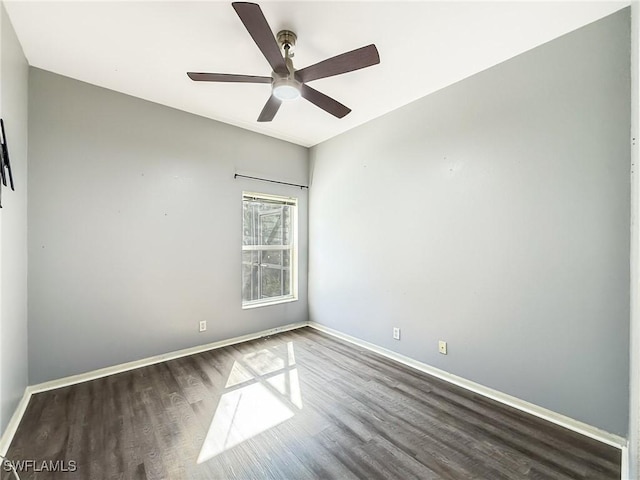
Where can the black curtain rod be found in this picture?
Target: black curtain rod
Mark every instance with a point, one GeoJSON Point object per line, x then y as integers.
{"type": "Point", "coordinates": [271, 181]}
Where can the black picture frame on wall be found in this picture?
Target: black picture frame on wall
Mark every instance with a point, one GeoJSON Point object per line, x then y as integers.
{"type": "Point", "coordinates": [5, 164]}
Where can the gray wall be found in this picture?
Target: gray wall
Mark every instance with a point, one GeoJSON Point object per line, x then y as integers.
{"type": "Point", "coordinates": [493, 214]}
{"type": "Point", "coordinates": [13, 225]}
{"type": "Point", "coordinates": [634, 377]}
{"type": "Point", "coordinates": [134, 218]}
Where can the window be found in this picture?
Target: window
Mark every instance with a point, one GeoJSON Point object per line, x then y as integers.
{"type": "Point", "coordinates": [268, 249]}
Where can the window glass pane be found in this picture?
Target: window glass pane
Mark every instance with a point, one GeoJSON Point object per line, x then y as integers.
{"type": "Point", "coordinates": [287, 236]}
{"type": "Point", "coordinates": [248, 223]}
{"type": "Point", "coordinates": [286, 282]}
{"type": "Point", "coordinates": [271, 227]}
{"type": "Point", "coordinates": [272, 257]}
{"type": "Point", "coordinates": [250, 282]}
{"type": "Point", "coordinates": [266, 224]}
{"type": "Point", "coordinates": [271, 282]}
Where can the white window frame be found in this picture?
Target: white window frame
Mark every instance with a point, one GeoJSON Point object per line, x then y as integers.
{"type": "Point", "coordinates": [293, 296]}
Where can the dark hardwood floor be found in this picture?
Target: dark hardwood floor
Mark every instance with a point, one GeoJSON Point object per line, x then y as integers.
{"type": "Point", "coordinates": [293, 406]}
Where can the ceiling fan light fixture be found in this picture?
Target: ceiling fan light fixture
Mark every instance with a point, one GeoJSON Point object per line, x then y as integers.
{"type": "Point", "coordinates": [286, 89]}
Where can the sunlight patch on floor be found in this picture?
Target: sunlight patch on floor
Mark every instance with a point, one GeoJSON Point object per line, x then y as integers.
{"type": "Point", "coordinates": [262, 391]}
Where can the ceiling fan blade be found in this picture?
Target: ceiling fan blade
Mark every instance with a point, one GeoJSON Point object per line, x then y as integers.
{"type": "Point", "coordinates": [227, 77]}
{"type": "Point", "coordinates": [326, 103]}
{"type": "Point", "coordinates": [257, 26]}
{"type": "Point", "coordinates": [270, 109]}
{"type": "Point", "coordinates": [343, 63]}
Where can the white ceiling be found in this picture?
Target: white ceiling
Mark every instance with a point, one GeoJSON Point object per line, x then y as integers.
{"type": "Point", "coordinates": [145, 48]}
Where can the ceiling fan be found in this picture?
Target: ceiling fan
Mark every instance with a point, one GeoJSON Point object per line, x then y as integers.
{"type": "Point", "coordinates": [286, 82]}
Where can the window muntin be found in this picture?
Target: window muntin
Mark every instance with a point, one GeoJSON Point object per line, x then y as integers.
{"type": "Point", "coordinates": [268, 249]}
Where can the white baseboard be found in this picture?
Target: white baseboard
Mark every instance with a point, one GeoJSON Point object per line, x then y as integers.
{"type": "Point", "coordinates": [7, 436]}
{"type": "Point", "coordinates": [625, 474]}
{"type": "Point", "coordinates": [541, 412]}
{"type": "Point", "coordinates": [12, 426]}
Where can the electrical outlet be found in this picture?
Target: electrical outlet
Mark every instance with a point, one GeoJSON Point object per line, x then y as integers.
{"type": "Point", "coordinates": [203, 325]}
{"type": "Point", "coordinates": [442, 347]}
{"type": "Point", "coordinates": [396, 333]}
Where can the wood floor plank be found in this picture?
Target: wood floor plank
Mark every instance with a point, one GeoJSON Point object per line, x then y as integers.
{"type": "Point", "coordinates": [296, 405]}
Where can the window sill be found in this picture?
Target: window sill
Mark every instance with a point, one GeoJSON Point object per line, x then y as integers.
{"type": "Point", "coordinates": [267, 303]}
